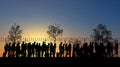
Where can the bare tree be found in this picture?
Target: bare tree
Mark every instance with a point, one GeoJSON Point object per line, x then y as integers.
{"type": "Point", "coordinates": [15, 34]}
{"type": "Point", "coordinates": [54, 31]}
{"type": "Point", "coordinates": [102, 34]}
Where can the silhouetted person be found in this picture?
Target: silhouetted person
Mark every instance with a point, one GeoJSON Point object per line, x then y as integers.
{"type": "Point", "coordinates": [40, 50]}
{"type": "Point", "coordinates": [116, 49]}
{"type": "Point", "coordinates": [37, 50]}
{"type": "Point", "coordinates": [18, 50]}
{"type": "Point", "coordinates": [109, 49]}
{"type": "Point", "coordinates": [96, 49]}
{"type": "Point", "coordinates": [5, 50]}
{"type": "Point", "coordinates": [54, 49]}
{"type": "Point", "coordinates": [29, 49]}
{"type": "Point", "coordinates": [43, 49]}
{"type": "Point", "coordinates": [13, 49]}
{"type": "Point", "coordinates": [74, 50]}
{"type": "Point", "coordinates": [78, 49]}
{"type": "Point", "coordinates": [101, 50]}
{"type": "Point", "coordinates": [23, 49]}
{"type": "Point", "coordinates": [61, 49]}
{"type": "Point", "coordinates": [91, 49]}
{"type": "Point", "coordinates": [69, 49]}
{"type": "Point", "coordinates": [47, 50]}
{"type": "Point", "coordinates": [33, 49]}
{"type": "Point", "coordinates": [9, 50]}
{"type": "Point", "coordinates": [51, 48]}
{"type": "Point", "coordinates": [85, 50]}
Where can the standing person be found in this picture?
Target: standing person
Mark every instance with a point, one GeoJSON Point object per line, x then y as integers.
{"type": "Point", "coordinates": [5, 50]}
{"type": "Point", "coordinates": [69, 48]}
{"type": "Point", "coordinates": [54, 49]}
{"type": "Point", "coordinates": [116, 48]}
{"type": "Point", "coordinates": [18, 50]}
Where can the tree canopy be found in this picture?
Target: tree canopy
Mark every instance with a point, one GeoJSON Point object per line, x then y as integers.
{"type": "Point", "coordinates": [102, 34]}
{"type": "Point", "coordinates": [15, 34]}
{"type": "Point", "coordinates": [54, 31]}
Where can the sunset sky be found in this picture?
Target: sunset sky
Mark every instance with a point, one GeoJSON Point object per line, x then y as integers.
{"type": "Point", "coordinates": [76, 17]}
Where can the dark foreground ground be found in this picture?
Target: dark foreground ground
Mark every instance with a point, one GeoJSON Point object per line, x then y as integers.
{"type": "Point", "coordinates": [77, 61]}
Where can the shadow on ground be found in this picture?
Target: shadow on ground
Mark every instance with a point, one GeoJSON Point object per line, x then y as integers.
{"type": "Point", "coordinates": [60, 61]}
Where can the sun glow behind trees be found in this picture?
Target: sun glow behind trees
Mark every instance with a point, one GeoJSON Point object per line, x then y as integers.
{"type": "Point", "coordinates": [39, 34]}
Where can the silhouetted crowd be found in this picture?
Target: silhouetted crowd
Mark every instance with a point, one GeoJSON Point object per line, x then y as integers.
{"type": "Point", "coordinates": [91, 49]}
